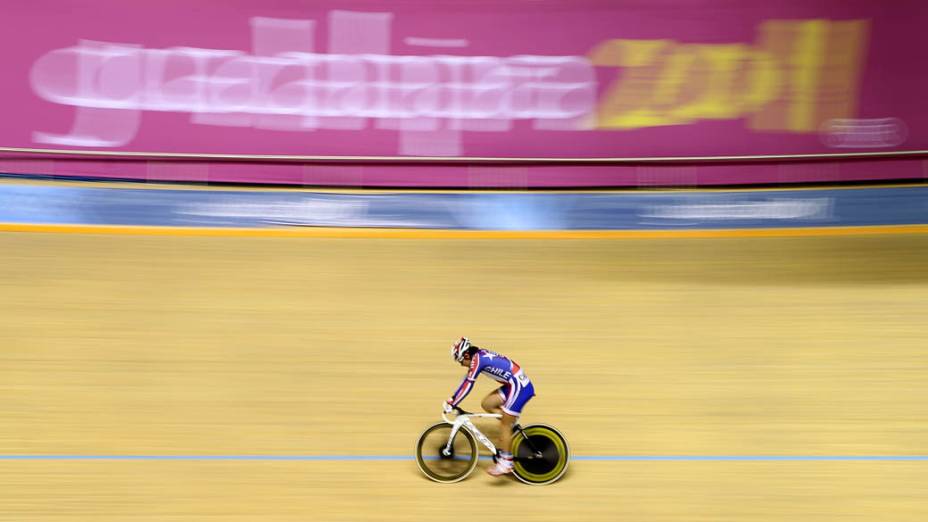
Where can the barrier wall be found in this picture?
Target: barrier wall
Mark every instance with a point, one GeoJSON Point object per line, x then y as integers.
{"type": "Point", "coordinates": [364, 82]}
{"type": "Point", "coordinates": [657, 210]}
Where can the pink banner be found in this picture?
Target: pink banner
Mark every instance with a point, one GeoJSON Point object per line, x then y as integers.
{"type": "Point", "coordinates": [557, 79]}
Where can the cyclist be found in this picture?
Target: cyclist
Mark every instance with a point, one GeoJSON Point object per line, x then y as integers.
{"type": "Point", "coordinates": [508, 400]}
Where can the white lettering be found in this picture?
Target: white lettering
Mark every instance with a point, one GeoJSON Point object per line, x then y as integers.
{"type": "Point", "coordinates": [303, 90]}
{"type": "Point", "coordinates": [817, 208]}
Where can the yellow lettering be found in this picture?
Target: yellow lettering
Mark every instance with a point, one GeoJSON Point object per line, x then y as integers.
{"type": "Point", "coordinates": [821, 62]}
{"type": "Point", "coordinates": [759, 82]}
{"type": "Point", "coordinates": [627, 103]}
{"type": "Point", "coordinates": [840, 77]}
{"type": "Point", "coordinates": [665, 83]}
{"type": "Point", "coordinates": [800, 73]}
{"type": "Point", "coordinates": [710, 78]}
{"type": "Point", "coordinates": [804, 65]}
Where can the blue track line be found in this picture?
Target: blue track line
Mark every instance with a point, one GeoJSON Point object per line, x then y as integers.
{"type": "Point", "coordinates": [599, 458]}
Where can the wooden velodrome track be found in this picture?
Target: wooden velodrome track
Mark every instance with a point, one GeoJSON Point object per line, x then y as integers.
{"type": "Point", "coordinates": [118, 345]}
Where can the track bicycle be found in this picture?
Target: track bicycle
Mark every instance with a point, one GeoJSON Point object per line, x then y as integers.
{"type": "Point", "coordinates": [447, 451]}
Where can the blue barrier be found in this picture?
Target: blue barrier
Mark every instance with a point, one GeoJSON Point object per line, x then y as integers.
{"type": "Point", "coordinates": [660, 210]}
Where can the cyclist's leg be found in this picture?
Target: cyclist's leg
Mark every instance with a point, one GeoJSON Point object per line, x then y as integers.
{"type": "Point", "coordinates": [492, 403]}
{"type": "Point", "coordinates": [505, 432]}
{"type": "Point", "coordinates": [512, 410]}
{"type": "Point", "coordinates": [516, 397]}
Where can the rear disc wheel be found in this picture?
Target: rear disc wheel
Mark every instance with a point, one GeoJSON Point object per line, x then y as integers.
{"type": "Point", "coordinates": [548, 463]}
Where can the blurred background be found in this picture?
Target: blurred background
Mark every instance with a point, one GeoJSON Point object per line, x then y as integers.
{"type": "Point", "coordinates": [237, 240]}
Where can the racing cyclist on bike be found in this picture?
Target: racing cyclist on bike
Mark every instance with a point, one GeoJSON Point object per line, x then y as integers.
{"type": "Point", "coordinates": [508, 400]}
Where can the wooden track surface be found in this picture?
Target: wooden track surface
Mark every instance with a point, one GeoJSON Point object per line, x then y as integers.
{"type": "Point", "coordinates": [119, 345]}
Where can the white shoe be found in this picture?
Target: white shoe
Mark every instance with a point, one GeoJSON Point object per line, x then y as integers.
{"type": "Point", "coordinates": [502, 467]}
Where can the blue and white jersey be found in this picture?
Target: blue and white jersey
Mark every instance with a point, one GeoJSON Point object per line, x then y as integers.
{"type": "Point", "coordinates": [495, 366]}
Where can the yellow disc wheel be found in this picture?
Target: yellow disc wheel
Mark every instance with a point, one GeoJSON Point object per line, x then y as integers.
{"type": "Point", "coordinates": [540, 453]}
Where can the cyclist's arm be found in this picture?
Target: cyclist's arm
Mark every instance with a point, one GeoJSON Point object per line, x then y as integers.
{"type": "Point", "coordinates": [467, 384]}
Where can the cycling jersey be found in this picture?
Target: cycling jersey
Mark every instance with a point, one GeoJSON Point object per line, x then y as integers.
{"type": "Point", "coordinates": [516, 388]}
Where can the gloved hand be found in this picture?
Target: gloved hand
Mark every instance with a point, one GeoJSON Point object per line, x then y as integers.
{"type": "Point", "coordinates": [447, 407]}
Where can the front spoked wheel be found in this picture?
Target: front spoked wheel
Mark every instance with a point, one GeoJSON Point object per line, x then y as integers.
{"type": "Point", "coordinates": [540, 453]}
{"type": "Point", "coordinates": [441, 465]}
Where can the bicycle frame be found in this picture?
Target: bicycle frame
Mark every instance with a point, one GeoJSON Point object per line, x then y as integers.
{"type": "Point", "coordinates": [463, 421]}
